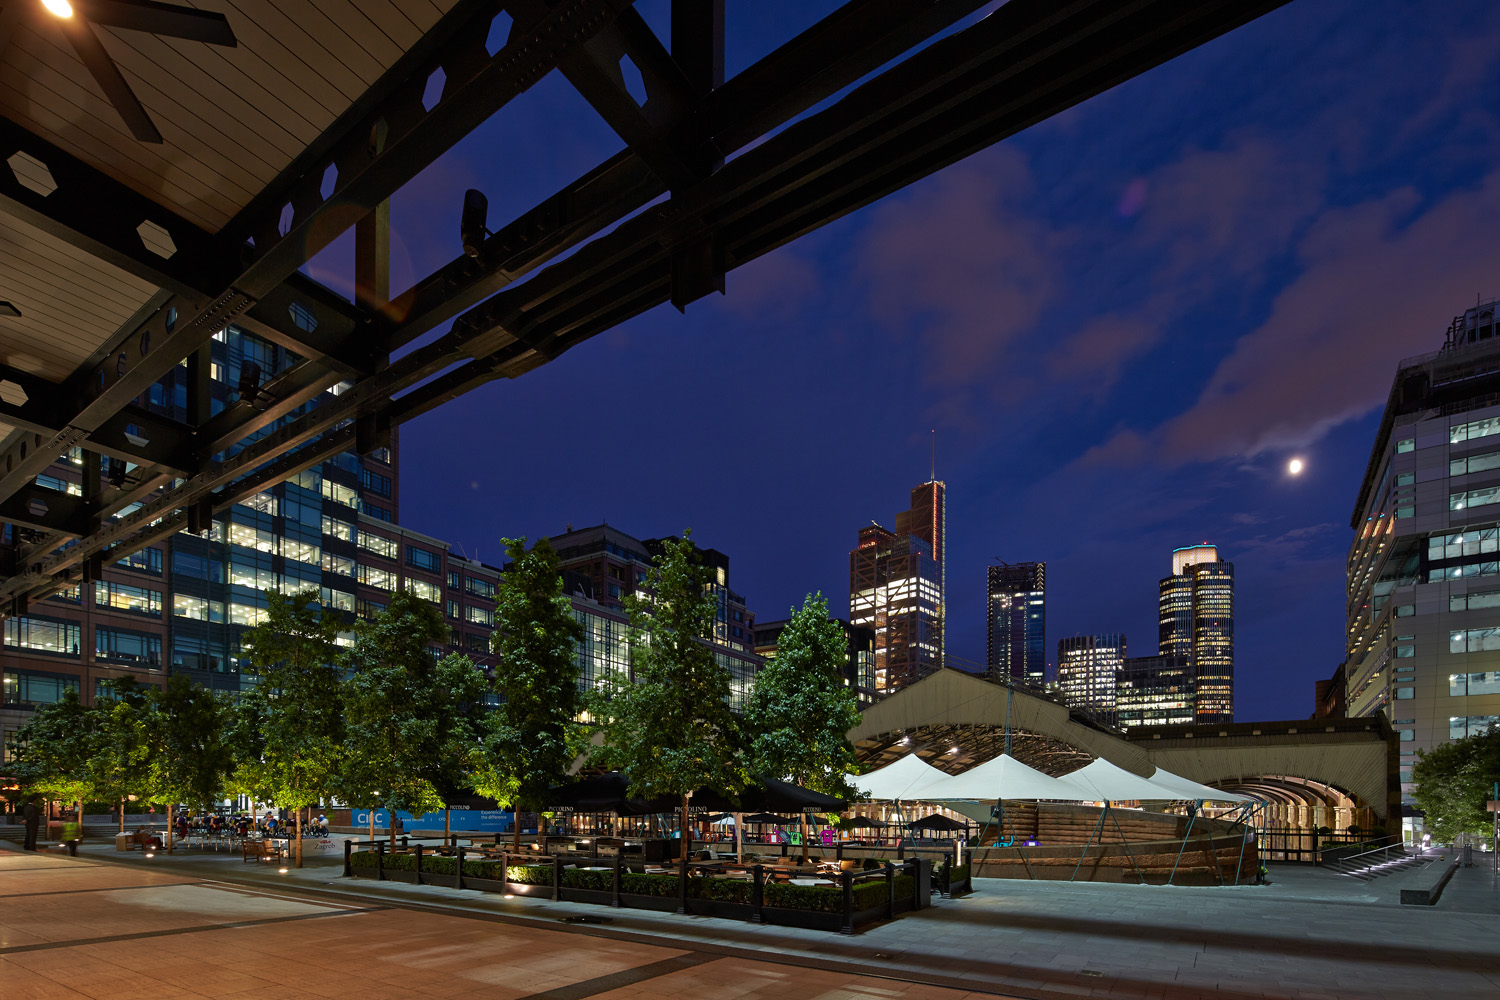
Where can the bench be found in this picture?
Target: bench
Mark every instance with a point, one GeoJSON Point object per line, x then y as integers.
{"type": "Point", "coordinates": [1429, 896]}
{"type": "Point", "coordinates": [261, 850]}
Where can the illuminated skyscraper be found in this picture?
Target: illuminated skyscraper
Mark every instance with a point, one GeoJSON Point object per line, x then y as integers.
{"type": "Point", "coordinates": [896, 588]}
{"type": "Point", "coordinates": [1197, 622]}
{"type": "Point", "coordinates": [1088, 672]}
{"type": "Point", "coordinates": [1016, 606]}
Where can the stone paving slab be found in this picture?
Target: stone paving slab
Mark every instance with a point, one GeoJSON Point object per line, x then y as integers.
{"type": "Point", "coordinates": [1311, 934]}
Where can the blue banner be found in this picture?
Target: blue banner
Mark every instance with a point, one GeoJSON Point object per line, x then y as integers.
{"type": "Point", "coordinates": [485, 820]}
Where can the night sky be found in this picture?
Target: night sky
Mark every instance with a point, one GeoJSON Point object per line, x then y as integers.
{"type": "Point", "coordinates": [1122, 324]}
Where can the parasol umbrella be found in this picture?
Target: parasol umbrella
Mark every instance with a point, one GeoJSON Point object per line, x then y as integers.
{"type": "Point", "coordinates": [769, 818]}
{"type": "Point", "coordinates": [935, 822]}
{"type": "Point", "coordinates": [862, 823]}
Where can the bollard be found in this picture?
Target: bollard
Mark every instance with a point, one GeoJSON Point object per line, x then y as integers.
{"type": "Point", "coordinates": [348, 864]}
{"type": "Point", "coordinates": [890, 889]}
{"type": "Point", "coordinates": [758, 896]}
{"type": "Point", "coordinates": [557, 866]}
{"type": "Point", "coordinates": [419, 864]}
{"type": "Point", "coordinates": [682, 877]}
{"type": "Point", "coordinates": [847, 879]}
{"type": "Point", "coordinates": [460, 868]}
{"type": "Point", "coordinates": [380, 862]}
{"type": "Point", "coordinates": [616, 902]}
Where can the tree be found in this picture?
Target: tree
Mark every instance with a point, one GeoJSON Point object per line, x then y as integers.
{"type": "Point", "coordinates": [289, 729]}
{"type": "Point", "coordinates": [54, 751]}
{"type": "Point", "coordinates": [413, 719]}
{"type": "Point", "coordinates": [122, 752]}
{"type": "Point", "coordinates": [1454, 780]}
{"type": "Point", "coordinates": [672, 729]}
{"type": "Point", "coordinates": [800, 711]}
{"type": "Point", "coordinates": [534, 736]}
{"type": "Point", "coordinates": [186, 735]}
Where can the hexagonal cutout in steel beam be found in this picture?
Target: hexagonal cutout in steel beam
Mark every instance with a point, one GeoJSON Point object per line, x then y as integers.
{"type": "Point", "coordinates": [156, 239]}
{"type": "Point", "coordinates": [37, 508]}
{"type": "Point", "coordinates": [13, 394]}
{"type": "Point", "coordinates": [32, 174]}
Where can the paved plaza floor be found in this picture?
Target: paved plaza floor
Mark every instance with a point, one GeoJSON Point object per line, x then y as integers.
{"type": "Point", "coordinates": [120, 926]}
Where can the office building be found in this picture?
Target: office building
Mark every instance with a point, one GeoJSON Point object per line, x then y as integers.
{"type": "Point", "coordinates": [858, 667]}
{"type": "Point", "coordinates": [1156, 691]}
{"type": "Point", "coordinates": [1088, 672]}
{"type": "Point", "coordinates": [896, 589]}
{"type": "Point", "coordinates": [602, 566]}
{"type": "Point", "coordinates": [1424, 566]}
{"type": "Point", "coordinates": [1196, 605]}
{"type": "Point", "coordinates": [1016, 606]}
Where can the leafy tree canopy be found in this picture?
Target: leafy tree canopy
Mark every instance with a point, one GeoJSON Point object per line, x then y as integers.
{"type": "Point", "coordinates": [672, 730]}
{"type": "Point", "coordinates": [800, 711]}
{"type": "Point", "coordinates": [189, 758]}
{"type": "Point", "coordinates": [1454, 780]}
{"type": "Point", "coordinates": [53, 752]}
{"type": "Point", "coordinates": [534, 735]}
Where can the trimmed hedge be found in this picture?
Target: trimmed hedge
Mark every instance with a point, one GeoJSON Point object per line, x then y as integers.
{"type": "Point", "coordinates": [957, 873]}
{"type": "Point", "coordinates": [818, 899]}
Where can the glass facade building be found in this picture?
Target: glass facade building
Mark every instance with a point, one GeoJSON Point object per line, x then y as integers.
{"type": "Point", "coordinates": [1423, 571]}
{"type": "Point", "coordinates": [1196, 621]}
{"type": "Point", "coordinates": [1016, 608]}
{"type": "Point", "coordinates": [858, 668]}
{"type": "Point", "coordinates": [896, 589]}
{"type": "Point", "coordinates": [1088, 672]}
{"type": "Point", "coordinates": [1156, 691]}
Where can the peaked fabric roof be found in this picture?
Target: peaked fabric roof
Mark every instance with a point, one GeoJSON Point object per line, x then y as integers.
{"type": "Point", "coordinates": [1107, 782]}
{"type": "Point", "coordinates": [1190, 789]}
{"type": "Point", "coordinates": [1003, 777]}
{"type": "Point", "coordinates": [905, 779]}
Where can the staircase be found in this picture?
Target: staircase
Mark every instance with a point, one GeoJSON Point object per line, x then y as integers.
{"type": "Point", "coordinates": [1379, 862]}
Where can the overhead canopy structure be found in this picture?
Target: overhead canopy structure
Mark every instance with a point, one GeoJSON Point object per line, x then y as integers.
{"type": "Point", "coordinates": [1106, 782]}
{"type": "Point", "coordinates": [1189, 789]}
{"type": "Point", "coordinates": [1003, 777]}
{"type": "Point", "coordinates": [906, 779]}
{"type": "Point", "coordinates": [122, 257]}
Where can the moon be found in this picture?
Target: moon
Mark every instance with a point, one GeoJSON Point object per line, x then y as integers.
{"type": "Point", "coordinates": [1294, 467]}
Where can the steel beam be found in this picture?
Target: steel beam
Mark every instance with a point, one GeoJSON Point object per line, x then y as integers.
{"type": "Point", "coordinates": [374, 156]}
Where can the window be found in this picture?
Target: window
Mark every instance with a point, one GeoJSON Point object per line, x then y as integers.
{"type": "Point", "coordinates": [1474, 463]}
{"type": "Point", "coordinates": [338, 529]}
{"type": "Point", "coordinates": [254, 574]}
{"type": "Point", "coordinates": [1405, 445]}
{"type": "Point", "coordinates": [375, 482]}
{"type": "Point", "coordinates": [335, 563]}
{"type": "Point", "coordinates": [1405, 478]}
{"type": "Point", "coordinates": [1474, 429]}
{"type": "Point", "coordinates": [34, 687]}
{"type": "Point", "coordinates": [455, 579]}
{"type": "Point", "coordinates": [1407, 735]}
{"type": "Point", "coordinates": [385, 548]}
{"type": "Point", "coordinates": [1402, 652]}
{"type": "Point", "coordinates": [198, 567]}
{"type": "Point", "coordinates": [426, 591]}
{"type": "Point", "coordinates": [1463, 685]}
{"type": "Point", "coordinates": [250, 537]}
{"type": "Point", "coordinates": [374, 576]}
{"type": "Point", "coordinates": [339, 493]}
{"type": "Point", "coordinates": [379, 513]}
{"type": "Point", "coordinates": [246, 614]}
{"type": "Point", "coordinates": [124, 597]}
{"type": "Point", "coordinates": [1460, 726]}
{"type": "Point", "coordinates": [1473, 640]}
{"type": "Point", "coordinates": [1405, 693]}
{"type": "Point", "coordinates": [192, 653]}
{"type": "Point", "coordinates": [1481, 497]}
{"type": "Point", "coordinates": [480, 588]}
{"type": "Point", "coordinates": [476, 643]}
{"type": "Point", "coordinates": [144, 561]}
{"type": "Point", "coordinates": [381, 455]}
{"type": "Point", "coordinates": [368, 609]}
{"type": "Point", "coordinates": [306, 552]}
{"type": "Point", "coordinates": [479, 616]}
{"type": "Point", "coordinates": [73, 594]}
{"type": "Point", "coordinates": [338, 599]}
{"type": "Point", "coordinates": [1405, 610]}
{"type": "Point", "coordinates": [120, 646]}
{"type": "Point", "coordinates": [452, 609]}
{"type": "Point", "coordinates": [42, 635]}
{"type": "Point", "coordinates": [201, 609]}
{"type": "Point", "coordinates": [265, 503]}
{"type": "Point", "coordinates": [423, 559]}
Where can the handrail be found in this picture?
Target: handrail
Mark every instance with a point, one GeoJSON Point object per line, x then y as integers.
{"type": "Point", "coordinates": [1379, 850]}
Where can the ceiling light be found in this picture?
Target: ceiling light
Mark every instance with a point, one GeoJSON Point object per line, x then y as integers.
{"type": "Point", "coordinates": [59, 7]}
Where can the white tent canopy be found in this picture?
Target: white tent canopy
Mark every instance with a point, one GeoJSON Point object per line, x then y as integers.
{"type": "Point", "coordinates": [1002, 777]}
{"type": "Point", "coordinates": [1108, 782]}
{"type": "Point", "coordinates": [907, 779]}
{"type": "Point", "coordinates": [1189, 789]}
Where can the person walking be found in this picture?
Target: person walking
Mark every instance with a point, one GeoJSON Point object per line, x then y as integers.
{"type": "Point", "coordinates": [32, 817]}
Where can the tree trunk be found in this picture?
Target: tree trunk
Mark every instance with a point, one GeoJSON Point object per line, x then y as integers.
{"type": "Point", "coordinates": [122, 815]}
{"type": "Point", "coordinates": [170, 828]}
{"type": "Point", "coordinates": [739, 838]}
{"type": "Point", "coordinates": [372, 824]}
{"type": "Point", "coordinates": [515, 828]}
{"type": "Point", "coordinates": [685, 831]}
{"type": "Point", "coordinates": [447, 823]}
{"type": "Point", "coordinates": [80, 821]}
{"type": "Point", "coordinates": [297, 832]}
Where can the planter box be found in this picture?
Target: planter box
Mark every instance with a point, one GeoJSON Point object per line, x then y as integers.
{"type": "Point", "coordinates": [410, 878]}
{"type": "Point", "coordinates": [597, 896]}
{"type": "Point", "coordinates": [661, 904]}
{"type": "Point", "coordinates": [433, 878]}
